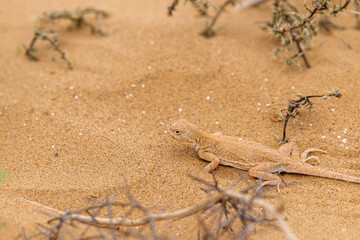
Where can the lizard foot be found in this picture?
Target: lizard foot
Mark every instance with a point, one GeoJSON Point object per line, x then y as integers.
{"type": "Point", "coordinates": [306, 152]}
{"type": "Point", "coordinates": [271, 183]}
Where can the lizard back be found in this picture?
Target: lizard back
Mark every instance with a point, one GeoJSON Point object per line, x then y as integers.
{"type": "Point", "coordinates": [241, 154]}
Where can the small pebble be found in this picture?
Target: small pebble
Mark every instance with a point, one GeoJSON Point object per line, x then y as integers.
{"type": "Point", "coordinates": [266, 80]}
{"type": "Point", "coordinates": [344, 140]}
{"type": "Point", "coordinates": [76, 97]}
{"type": "Point", "coordinates": [323, 136]}
{"type": "Point", "coordinates": [180, 109]}
{"type": "Point", "coordinates": [71, 88]}
{"type": "Point", "coordinates": [338, 136]}
{"type": "Point", "coordinates": [142, 85]}
{"type": "Point", "coordinates": [149, 67]}
{"type": "Point", "coordinates": [133, 85]}
{"type": "Point", "coordinates": [217, 122]}
{"type": "Point", "coordinates": [208, 98]}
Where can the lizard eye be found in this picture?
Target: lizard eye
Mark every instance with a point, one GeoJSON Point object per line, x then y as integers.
{"type": "Point", "coordinates": [177, 132]}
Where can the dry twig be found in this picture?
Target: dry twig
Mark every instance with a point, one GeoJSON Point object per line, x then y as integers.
{"type": "Point", "coordinates": [229, 207]}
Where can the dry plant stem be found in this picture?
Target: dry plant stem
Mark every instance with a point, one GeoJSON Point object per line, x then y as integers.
{"type": "Point", "coordinates": [249, 4]}
{"type": "Point", "coordinates": [172, 7]}
{"type": "Point", "coordinates": [176, 215]}
{"type": "Point", "coordinates": [307, 64]}
{"type": "Point", "coordinates": [209, 30]}
{"type": "Point", "coordinates": [302, 101]}
{"type": "Point", "coordinates": [31, 52]}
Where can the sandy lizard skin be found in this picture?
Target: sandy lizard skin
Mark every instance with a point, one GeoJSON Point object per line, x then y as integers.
{"type": "Point", "coordinates": [261, 161]}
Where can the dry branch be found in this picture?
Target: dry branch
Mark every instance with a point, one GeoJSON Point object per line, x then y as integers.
{"type": "Point", "coordinates": [225, 205]}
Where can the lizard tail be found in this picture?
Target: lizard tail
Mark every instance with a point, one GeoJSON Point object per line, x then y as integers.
{"type": "Point", "coordinates": [311, 170]}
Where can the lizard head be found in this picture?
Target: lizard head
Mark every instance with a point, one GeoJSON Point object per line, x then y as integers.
{"type": "Point", "coordinates": [183, 131]}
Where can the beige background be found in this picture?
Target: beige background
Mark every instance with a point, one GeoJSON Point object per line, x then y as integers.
{"type": "Point", "coordinates": [40, 116]}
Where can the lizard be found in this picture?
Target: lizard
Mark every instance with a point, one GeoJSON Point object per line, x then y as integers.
{"type": "Point", "coordinates": [259, 160]}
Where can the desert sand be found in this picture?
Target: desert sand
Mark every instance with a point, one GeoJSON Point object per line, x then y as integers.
{"type": "Point", "coordinates": [70, 135]}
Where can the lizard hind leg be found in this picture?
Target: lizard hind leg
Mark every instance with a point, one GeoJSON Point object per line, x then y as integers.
{"type": "Point", "coordinates": [304, 155]}
{"type": "Point", "coordinates": [290, 148]}
{"type": "Point", "coordinates": [264, 171]}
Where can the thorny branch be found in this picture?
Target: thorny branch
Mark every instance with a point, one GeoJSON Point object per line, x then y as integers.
{"type": "Point", "coordinates": [209, 31]}
{"type": "Point", "coordinates": [303, 101]}
{"type": "Point", "coordinates": [45, 28]}
{"type": "Point", "coordinates": [226, 208]}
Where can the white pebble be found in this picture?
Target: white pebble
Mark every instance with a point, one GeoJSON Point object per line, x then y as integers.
{"type": "Point", "coordinates": [151, 42]}
{"type": "Point", "coordinates": [30, 139]}
{"type": "Point", "coordinates": [180, 109]}
{"type": "Point", "coordinates": [142, 85]}
{"type": "Point", "coordinates": [240, 138]}
{"type": "Point", "coordinates": [292, 87]}
{"type": "Point", "coordinates": [52, 146]}
{"type": "Point", "coordinates": [333, 110]}
{"type": "Point", "coordinates": [338, 136]}
{"type": "Point", "coordinates": [161, 123]}
{"type": "Point", "coordinates": [301, 123]}
{"type": "Point", "coordinates": [266, 79]}
{"type": "Point", "coordinates": [118, 129]}
{"type": "Point", "coordinates": [310, 124]}
{"type": "Point", "coordinates": [36, 118]}
{"type": "Point", "coordinates": [143, 112]}
{"type": "Point", "coordinates": [259, 104]}
{"type": "Point", "coordinates": [76, 97]}
{"type": "Point", "coordinates": [268, 105]}
{"type": "Point", "coordinates": [217, 122]}
{"type": "Point", "coordinates": [258, 109]}
{"type": "Point", "coordinates": [24, 124]}
{"type": "Point", "coordinates": [71, 87]}
{"type": "Point", "coordinates": [45, 86]}
{"type": "Point", "coordinates": [323, 136]}
{"type": "Point", "coordinates": [53, 114]}
{"type": "Point", "coordinates": [149, 67]}
{"type": "Point", "coordinates": [344, 140]}
{"type": "Point", "coordinates": [276, 98]}
{"type": "Point", "coordinates": [208, 98]}
{"type": "Point", "coordinates": [133, 85]}
{"type": "Point", "coordinates": [80, 134]}
{"type": "Point", "coordinates": [232, 74]}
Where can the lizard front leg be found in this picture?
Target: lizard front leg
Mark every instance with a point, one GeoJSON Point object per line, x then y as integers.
{"type": "Point", "coordinates": [212, 158]}
{"type": "Point", "coordinates": [264, 171]}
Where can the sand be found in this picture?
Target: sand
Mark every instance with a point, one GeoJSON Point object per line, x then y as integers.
{"type": "Point", "coordinates": [70, 135]}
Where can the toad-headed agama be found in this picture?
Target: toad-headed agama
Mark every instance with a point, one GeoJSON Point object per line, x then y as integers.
{"type": "Point", "coordinates": [261, 161]}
